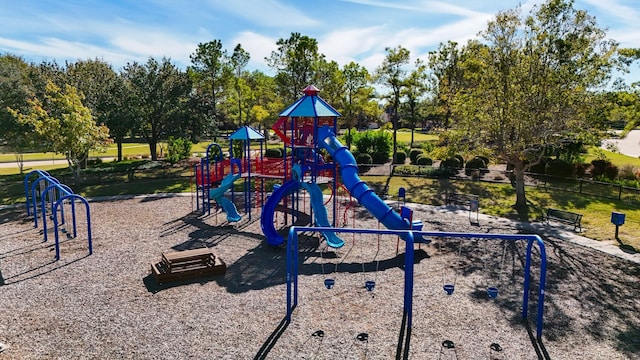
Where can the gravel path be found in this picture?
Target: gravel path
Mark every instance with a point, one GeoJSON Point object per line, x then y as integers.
{"type": "Point", "coordinates": [107, 305]}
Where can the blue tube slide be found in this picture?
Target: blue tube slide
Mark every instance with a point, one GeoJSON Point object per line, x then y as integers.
{"type": "Point", "coordinates": [266, 220]}
{"type": "Point", "coordinates": [320, 214]}
{"type": "Point", "coordinates": [227, 206]}
{"type": "Point", "coordinates": [359, 189]}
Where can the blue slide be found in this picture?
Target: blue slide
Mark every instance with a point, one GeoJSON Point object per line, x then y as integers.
{"type": "Point", "coordinates": [320, 214]}
{"type": "Point", "coordinates": [266, 220]}
{"type": "Point", "coordinates": [227, 206]}
{"type": "Point", "coordinates": [358, 188]}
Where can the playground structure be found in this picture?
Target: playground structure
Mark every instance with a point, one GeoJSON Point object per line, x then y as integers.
{"type": "Point", "coordinates": [53, 196]}
{"type": "Point", "coordinates": [312, 155]}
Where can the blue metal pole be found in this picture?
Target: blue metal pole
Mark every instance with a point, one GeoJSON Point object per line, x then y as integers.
{"type": "Point", "coordinates": [408, 278]}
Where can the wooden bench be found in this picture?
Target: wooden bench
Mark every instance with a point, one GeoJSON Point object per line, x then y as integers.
{"type": "Point", "coordinates": [187, 264]}
{"type": "Point", "coordinates": [462, 199]}
{"type": "Point", "coordinates": [565, 217]}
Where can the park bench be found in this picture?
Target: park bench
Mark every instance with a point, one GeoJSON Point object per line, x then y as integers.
{"type": "Point", "coordinates": [462, 199]}
{"type": "Point", "coordinates": [565, 217]}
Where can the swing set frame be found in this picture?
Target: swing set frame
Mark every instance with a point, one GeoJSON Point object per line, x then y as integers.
{"type": "Point", "coordinates": [292, 265]}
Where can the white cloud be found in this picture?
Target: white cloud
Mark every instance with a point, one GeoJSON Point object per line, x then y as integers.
{"type": "Point", "coordinates": [269, 13]}
{"type": "Point", "coordinates": [259, 46]}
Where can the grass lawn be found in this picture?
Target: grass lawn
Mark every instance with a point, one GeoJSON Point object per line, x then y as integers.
{"type": "Point", "coordinates": [497, 199]}
{"type": "Point", "coordinates": [616, 159]}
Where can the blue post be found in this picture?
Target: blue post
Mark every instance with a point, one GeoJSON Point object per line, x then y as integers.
{"type": "Point", "coordinates": [408, 278]}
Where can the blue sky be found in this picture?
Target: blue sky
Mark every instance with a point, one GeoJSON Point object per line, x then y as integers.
{"type": "Point", "coordinates": [121, 31]}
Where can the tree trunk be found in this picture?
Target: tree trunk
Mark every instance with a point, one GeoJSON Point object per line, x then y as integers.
{"type": "Point", "coordinates": [153, 149]}
{"type": "Point", "coordinates": [20, 162]}
{"type": "Point", "coordinates": [119, 145]}
{"type": "Point", "coordinates": [521, 199]}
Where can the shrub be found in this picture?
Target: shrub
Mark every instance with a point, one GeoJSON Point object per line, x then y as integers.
{"type": "Point", "coordinates": [610, 172]}
{"type": "Point", "coordinates": [451, 162]}
{"type": "Point", "coordinates": [273, 153]}
{"type": "Point", "coordinates": [414, 153]}
{"type": "Point", "coordinates": [364, 159]}
{"type": "Point", "coordinates": [460, 159]}
{"type": "Point", "coordinates": [598, 166]}
{"type": "Point", "coordinates": [178, 149]}
{"type": "Point", "coordinates": [580, 169]}
{"type": "Point", "coordinates": [237, 147]}
{"type": "Point", "coordinates": [424, 160]}
{"type": "Point", "coordinates": [485, 159]}
{"type": "Point", "coordinates": [423, 171]}
{"type": "Point", "coordinates": [400, 157]}
{"type": "Point", "coordinates": [628, 172]}
{"type": "Point", "coordinates": [540, 167]}
{"type": "Point", "coordinates": [559, 167]}
{"type": "Point", "coordinates": [475, 163]}
{"type": "Point", "coordinates": [375, 143]}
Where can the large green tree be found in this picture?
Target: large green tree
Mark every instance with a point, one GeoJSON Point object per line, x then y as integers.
{"type": "Point", "coordinates": [415, 91]}
{"type": "Point", "coordinates": [392, 73]}
{"type": "Point", "coordinates": [106, 95]}
{"type": "Point", "coordinates": [210, 73]}
{"type": "Point", "coordinates": [15, 90]}
{"type": "Point", "coordinates": [295, 62]}
{"type": "Point", "coordinates": [64, 124]}
{"type": "Point", "coordinates": [159, 94]}
{"type": "Point", "coordinates": [528, 85]}
{"type": "Point", "coordinates": [238, 63]}
{"type": "Point", "coordinates": [356, 81]}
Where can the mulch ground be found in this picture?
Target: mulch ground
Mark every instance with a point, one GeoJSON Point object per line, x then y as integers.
{"type": "Point", "coordinates": [107, 305]}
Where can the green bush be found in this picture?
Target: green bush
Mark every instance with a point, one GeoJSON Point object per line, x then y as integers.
{"type": "Point", "coordinates": [611, 172]}
{"type": "Point", "coordinates": [540, 167]}
{"type": "Point", "coordinates": [460, 159]}
{"type": "Point", "coordinates": [400, 157]}
{"type": "Point", "coordinates": [237, 146]}
{"type": "Point", "coordinates": [178, 149]}
{"type": "Point", "coordinates": [273, 153]}
{"type": "Point", "coordinates": [452, 163]}
{"type": "Point", "coordinates": [414, 153]}
{"type": "Point", "coordinates": [424, 160]}
{"type": "Point", "coordinates": [559, 167]}
{"type": "Point", "coordinates": [427, 171]}
{"type": "Point", "coordinates": [364, 159]}
{"type": "Point", "coordinates": [598, 167]}
{"type": "Point", "coordinates": [485, 159]}
{"type": "Point", "coordinates": [476, 163]}
{"type": "Point", "coordinates": [375, 143]}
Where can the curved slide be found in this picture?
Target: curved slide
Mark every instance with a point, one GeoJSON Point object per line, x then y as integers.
{"type": "Point", "coordinates": [266, 220]}
{"type": "Point", "coordinates": [358, 188]}
{"type": "Point", "coordinates": [227, 206]}
{"type": "Point", "coordinates": [320, 214]}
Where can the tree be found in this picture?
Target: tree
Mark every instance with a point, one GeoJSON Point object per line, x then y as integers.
{"type": "Point", "coordinates": [446, 79]}
{"type": "Point", "coordinates": [65, 125]}
{"type": "Point", "coordinates": [15, 89]}
{"type": "Point", "coordinates": [295, 63]}
{"type": "Point", "coordinates": [105, 94]}
{"type": "Point", "coordinates": [330, 80]}
{"type": "Point", "coordinates": [159, 95]}
{"type": "Point", "coordinates": [356, 79]}
{"type": "Point", "coordinates": [238, 62]}
{"type": "Point", "coordinates": [263, 101]}
{"type": "Point", "coordinates": [209, 74]}
{"type": "Point", "coordinates": [392, 74]}
{"type": "Point", "coordinates": [414, 90]}
{"type": "Point", "coordinates": [528, 86]}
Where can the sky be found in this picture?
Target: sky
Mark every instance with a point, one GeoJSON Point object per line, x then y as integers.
{"type": "Point", "coordinates": [122, 31]}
